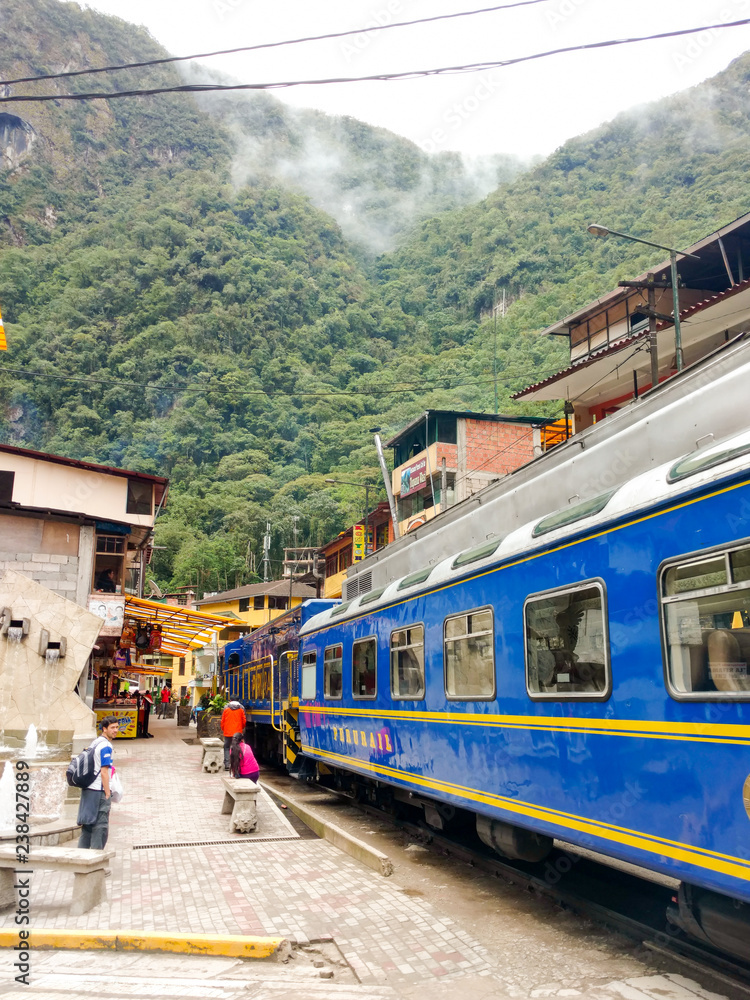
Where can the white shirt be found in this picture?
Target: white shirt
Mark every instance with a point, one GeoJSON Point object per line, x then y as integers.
{"type": "Point", "coordinates": [103, 749]}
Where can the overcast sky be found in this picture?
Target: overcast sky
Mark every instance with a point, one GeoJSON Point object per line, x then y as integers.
{"type": "Point", "coordinates": [527, 109]}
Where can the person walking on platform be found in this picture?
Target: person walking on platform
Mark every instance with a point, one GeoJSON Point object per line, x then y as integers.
{"type": "Point", "coordinates": [233, 720]}
{"type": "Point", "coordinates": [96, 800]}
{"type": "Point", "coordinates": [242, 760]}
{"type": "Point", "coordinates": [166, 694]}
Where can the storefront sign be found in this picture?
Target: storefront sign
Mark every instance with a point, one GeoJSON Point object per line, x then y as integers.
{"type": "Point", "coordinates": [111, 609]}
{"type": "Point", "coordinates": [359, 542]}
{"type": "Point", "coordinates": [127, 717]}
{"type": "Point", "coordinates": [413, 477]}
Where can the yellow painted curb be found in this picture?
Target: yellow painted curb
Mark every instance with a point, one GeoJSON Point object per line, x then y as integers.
{"type": "Point", "coordinates": [232, 946]}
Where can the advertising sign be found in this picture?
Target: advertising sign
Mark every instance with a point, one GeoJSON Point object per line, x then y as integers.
{"type": "Point", "coordinates": [359, 543]}
{"type": "Point", "coordinates": [413, 477]}
{"type": "Point", "coordinates": [109, 608]}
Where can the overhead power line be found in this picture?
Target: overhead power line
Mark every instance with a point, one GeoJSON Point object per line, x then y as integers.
{"type": "Point", "coordinates": [271, 45]}
{"type": "Point", "coordinates": [198, 88]}
{"type": "Point", "coordinates": [398, 387]}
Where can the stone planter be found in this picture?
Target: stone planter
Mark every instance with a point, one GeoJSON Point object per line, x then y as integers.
{"type": "Point", "coordinates": [209, 724]}
{"type": "Point", "coordinates": [183, 715]}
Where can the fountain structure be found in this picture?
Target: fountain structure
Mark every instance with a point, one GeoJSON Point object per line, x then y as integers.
{"type": "Point", "coordinates": [45, 643]}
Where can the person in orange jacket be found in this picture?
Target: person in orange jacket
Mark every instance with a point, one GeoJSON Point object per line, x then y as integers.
{"type": "Point", "coordinates": [233, 720]}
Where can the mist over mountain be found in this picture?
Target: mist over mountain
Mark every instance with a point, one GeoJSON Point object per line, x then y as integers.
{"type": "Point", "coordinates": [189, 286]}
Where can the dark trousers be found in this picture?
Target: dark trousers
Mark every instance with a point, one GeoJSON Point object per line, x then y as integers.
{"type": "Point", "coordinates": [227, 745]}
{"type": "Point", "coordinates": [93, 815]}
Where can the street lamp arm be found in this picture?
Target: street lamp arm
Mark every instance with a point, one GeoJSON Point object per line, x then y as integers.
{"type": "Point", "coordinates": [596, 230]}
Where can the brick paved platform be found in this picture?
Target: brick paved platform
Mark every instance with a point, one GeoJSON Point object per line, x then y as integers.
{"type": "Point", "coordinates": [269, 882]}
{"type": "Point", "coordinates": [360, 936]}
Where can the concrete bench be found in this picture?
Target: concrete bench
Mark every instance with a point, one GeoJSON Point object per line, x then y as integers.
{"type": "Point", "coordinates": [213, 754]}
{"type": "Point", "coordinates": [88, 868]}
{"type": "Point", "coordinates": [240, 800]}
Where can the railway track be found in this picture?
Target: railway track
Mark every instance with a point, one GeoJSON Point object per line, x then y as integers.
{"type": "Point", "coordinates": [610, 896]}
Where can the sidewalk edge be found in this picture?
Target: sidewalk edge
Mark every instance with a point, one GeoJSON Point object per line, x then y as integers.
{"type": "Point", "coordinates": [231, 946]}
{"type": "Point", "coordinates": [345, 842]}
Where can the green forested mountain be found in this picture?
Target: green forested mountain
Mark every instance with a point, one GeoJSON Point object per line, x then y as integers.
{"type": "Point", "coordinates": [155, 240]}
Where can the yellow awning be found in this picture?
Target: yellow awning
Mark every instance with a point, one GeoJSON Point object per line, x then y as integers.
{"type": "Point", "coordinates": [181, 629]}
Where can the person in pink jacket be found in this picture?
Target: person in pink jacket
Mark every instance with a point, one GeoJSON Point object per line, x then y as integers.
{"type": "Point", "coordinates": [242, 759]}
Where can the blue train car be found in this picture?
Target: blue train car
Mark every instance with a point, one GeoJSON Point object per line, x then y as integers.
{"type": "Point", "coordinates": [260, 670]}
{"type": "Point", "coordinates": [584, 677]}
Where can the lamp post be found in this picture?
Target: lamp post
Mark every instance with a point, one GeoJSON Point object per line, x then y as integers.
{"type": "Point", "coordinates": [362, 486]}
{"type": "Point", "coordinates": [596, 230]}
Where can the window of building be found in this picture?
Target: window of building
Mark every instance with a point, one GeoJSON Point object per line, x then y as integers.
{"type": "Point", "coordinates": [6, 486]}
{"type": "Point", "coordinates": [183, 691]}
{"type": "Point", "coordinates": [259, 603]}
{"type": "Point", "coordinates": [182, 666]}
{"type": "Point", "coordinates": [244, 604]}
{"type": "Point", "coordinates": [333, 659]}
{"type": "Point", "coordinates": [706, 625]}
{"type": "Point", "coordinates": [407, 663]}
{"type": "Point", "coordinates": [345, 558]}
{"type": "Point", "coordinates": [447, 429]}
{"type": "Point", "coordinates": [381, 535]}
{"type": "Point", "coordinates": [109, 563]}
{"type": "Point", "coordinates": [139, 497]}
{"type": "Point", "coordinates": [468, 642]}
{"type": "Point", "coordinates": [364, 668]}
{"type": "Point", "coordinates": [567, 646]}
{"type": "Point", "coordinates": [332, 565]}
{"type": "Point", "coordinates": [110, 544]}
{"type": "Point", "coordinates": [278, 603]}
{"type": "Point", "coordinates": [308, 682]}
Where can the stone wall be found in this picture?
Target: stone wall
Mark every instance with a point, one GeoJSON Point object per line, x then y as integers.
{"type": "Point", "coordinates": [57, 573]}
{"type": "Point", "coordinates": [55, 554]}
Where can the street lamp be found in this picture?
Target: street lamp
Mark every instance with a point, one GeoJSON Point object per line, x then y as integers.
{"type": "Point", "coordinates": [596, 230]}
{"type": "Point", "coordinates": [362, 486]}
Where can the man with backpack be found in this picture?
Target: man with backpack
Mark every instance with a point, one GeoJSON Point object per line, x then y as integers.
{"type": "Point", "coordinates": [96, 801]}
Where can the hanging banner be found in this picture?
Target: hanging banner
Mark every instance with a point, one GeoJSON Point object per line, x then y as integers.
{"type": "Point", "coordinates": [359, 543]}
{"type": "Point", "coordinates": [3, 341]}
{"type": "Point", "coordinates": [413, 477]}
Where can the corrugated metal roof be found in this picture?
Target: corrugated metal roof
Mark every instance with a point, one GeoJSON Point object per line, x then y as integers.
{"type": "Point", "coordinates": [623, 342]}
{"type": "Point", "coordinates": [274, 588]}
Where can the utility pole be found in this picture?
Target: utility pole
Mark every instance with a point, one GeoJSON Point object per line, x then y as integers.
{"type": "Point", "coordinates": [652, 344]}
{"type": "Point", "coordinates": [650, 285]}
{"type": "Point", "coordinates": [494, 342]}
{"type": "Point", "coordinates": [266, 551]}
{"type": "Point", "coordinates": [295, 518]}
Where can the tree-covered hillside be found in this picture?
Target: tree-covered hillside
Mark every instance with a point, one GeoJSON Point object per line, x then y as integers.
{"type": "Point", "coordinates": [177, 304]}
{"type": "Point", "coordinates": [671, 171]}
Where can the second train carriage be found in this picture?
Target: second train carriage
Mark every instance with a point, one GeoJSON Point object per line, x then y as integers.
{"type": "Point", "coordinates": [260, 670]}
{"type": "Point", "coordinates": [584, 677]}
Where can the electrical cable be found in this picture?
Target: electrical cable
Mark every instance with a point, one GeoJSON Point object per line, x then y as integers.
{"type": "Point", "coordinates": [376, 77]}
{"type": "Point", "coordinates": [402, 386]}
{"type": "Point", "coordinates": [269, 45]}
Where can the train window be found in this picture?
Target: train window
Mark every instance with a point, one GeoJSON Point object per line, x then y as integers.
{"type": "Point", "coordinates": [371, 596]}
{"type": "Point", "coordinates": [478, 552]}
{"type": "Point", "coordinates": [468, 641]}
{"type": "Point", "coordinates": [414, 578]}
{"type": "Point", "coordinates": [340, 609]}
{"type": "Point", "coordinates": [576, 512]}
{"type": "Point", "coordinates": [308, 680]}
{"type": "Point", "coordinates": [407, 663]}
{"type": "Point", "coordinates": [567, 648]}
{"type": "Point", "coordinates": [364, 662]}
{"type": "Point", "coordinates": [694, 463]}
{"type": "Point", "coordinates": [706, 618]}
{"type": "Point", "coordinates": [333, 672]}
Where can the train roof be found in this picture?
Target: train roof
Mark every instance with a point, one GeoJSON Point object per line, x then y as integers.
{"type": "Point", "coordinates": [685, 474]}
